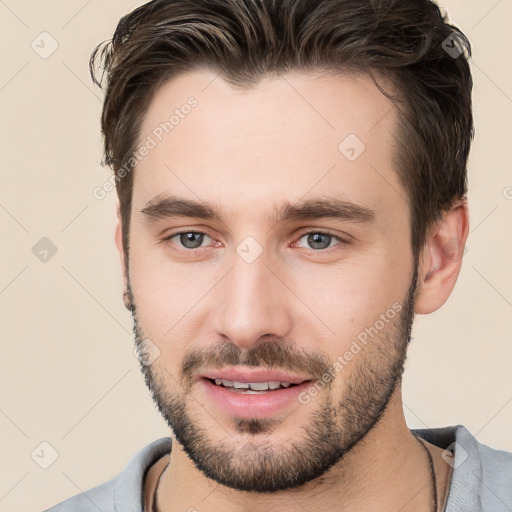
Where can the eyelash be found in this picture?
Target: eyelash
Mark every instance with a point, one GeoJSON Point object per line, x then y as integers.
{"type": "Point", "coordinates": [167, 241]}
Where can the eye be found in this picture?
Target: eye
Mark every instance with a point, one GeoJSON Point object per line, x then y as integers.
{"type": "Point", "coordinates": [319, 240]}
{"type": "Point", "coordinates": [187, 239]}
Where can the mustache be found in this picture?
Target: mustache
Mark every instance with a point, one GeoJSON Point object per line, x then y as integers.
{"type": "Point", "coordinates": [268, 354]}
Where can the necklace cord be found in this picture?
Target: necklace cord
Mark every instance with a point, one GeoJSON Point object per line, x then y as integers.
{"type": "Point", "coordinates": [432, 474]}
{"type": "Point", "coordinates": [154, 506]}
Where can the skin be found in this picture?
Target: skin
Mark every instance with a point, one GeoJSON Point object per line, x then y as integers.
{"type": "Point", "coordinates": [247, 151]}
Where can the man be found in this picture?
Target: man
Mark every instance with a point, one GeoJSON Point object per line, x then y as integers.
{"type": "Point", "coordinates": [292, 191]}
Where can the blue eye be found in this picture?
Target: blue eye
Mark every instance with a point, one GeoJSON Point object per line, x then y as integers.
{"type": "Point", "coordinates": [319, 240]}
{"type": "Point", "coordinates": [189, 239]}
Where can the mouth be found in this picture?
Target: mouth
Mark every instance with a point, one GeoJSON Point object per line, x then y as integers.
{"type": "Point", "coordinates": [253, 388]}
{"type": "Point", "coordinates": [244, 377]}
{"type": "Point", "coordinates": [255, 394]}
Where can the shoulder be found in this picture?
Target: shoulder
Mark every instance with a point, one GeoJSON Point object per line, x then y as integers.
{"type": "Point", "coordinates": [122, 492]}
{"type": "Point", "coordinates": [100, 497]}
{"type": "Point", "coordinates": [496, 489]}
{"type": "Point", "coordinates": [494, 463]}
{"type": "Point", "coordinates": [482, 476]}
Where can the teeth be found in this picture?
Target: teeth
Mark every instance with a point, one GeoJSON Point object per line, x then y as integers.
{"type": "Point", "coordinates": [259, 386]}
{"type": "Point", "coordinates": [255, 386]}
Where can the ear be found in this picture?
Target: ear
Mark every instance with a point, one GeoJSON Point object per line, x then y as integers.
{"type": "Point", "coordinates": [441, 259]}
{"type": "Point", "coordinates": [119, 244]}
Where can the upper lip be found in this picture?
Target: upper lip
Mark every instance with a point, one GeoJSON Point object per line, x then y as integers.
{"type": "Point", "coordinates": [241, 375]}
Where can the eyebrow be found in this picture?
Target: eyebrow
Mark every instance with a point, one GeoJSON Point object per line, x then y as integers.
{"type": "Point", "coordinates": [166, 207]}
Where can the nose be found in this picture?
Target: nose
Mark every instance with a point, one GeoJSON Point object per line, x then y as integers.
{"type": "Point", "coordinates": [252, 302]}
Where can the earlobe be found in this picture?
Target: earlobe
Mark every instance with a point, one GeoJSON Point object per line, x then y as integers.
{"type": "Point", "coordinates": [441, 259]}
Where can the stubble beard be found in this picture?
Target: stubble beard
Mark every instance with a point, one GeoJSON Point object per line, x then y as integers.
{"type": "Point", "coordinates": [335, 428]}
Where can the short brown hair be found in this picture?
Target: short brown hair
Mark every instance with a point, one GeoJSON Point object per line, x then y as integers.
{"type": "Point", "coordinates": [410, 42]}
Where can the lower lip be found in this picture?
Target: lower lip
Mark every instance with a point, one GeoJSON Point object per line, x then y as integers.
{"type": "Point", "coordinates": [253, 406]}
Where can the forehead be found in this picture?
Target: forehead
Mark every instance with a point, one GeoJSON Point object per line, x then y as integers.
{"type": "Point", "coordinates": [288, 136]}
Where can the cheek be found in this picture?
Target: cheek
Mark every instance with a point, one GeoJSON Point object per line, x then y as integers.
{"type": "Point", "coordinates": [350, 296]}
{"type": "Point", "coordinates": [168, 297]}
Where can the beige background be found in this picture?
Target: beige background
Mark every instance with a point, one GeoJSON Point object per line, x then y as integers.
{"type": "Point", "coordinates": [69, 376]}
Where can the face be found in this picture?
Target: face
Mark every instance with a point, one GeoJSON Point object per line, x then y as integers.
{"type": "Point", "coordinates": [269, 233]}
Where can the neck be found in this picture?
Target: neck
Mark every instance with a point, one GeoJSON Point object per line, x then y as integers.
{"type": "Point", "coordinates": [387, 471]}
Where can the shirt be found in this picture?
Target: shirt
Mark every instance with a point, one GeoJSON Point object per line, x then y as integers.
{"type": "Point", "coordinates": [481, 478]}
